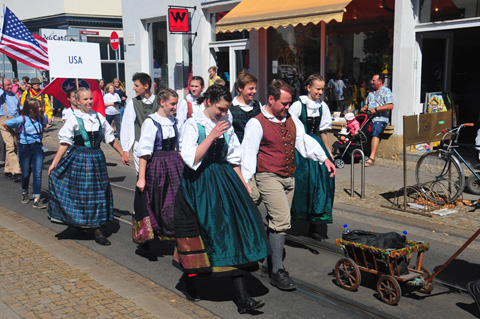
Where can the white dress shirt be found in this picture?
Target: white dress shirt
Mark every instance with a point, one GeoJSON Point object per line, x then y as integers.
{"type": "Point", "coordinates": [313, 110]}
{"type": "Point", "coordinates": [307, 146]}
{"type": "Point", "coordinates": [189, 139]}
{"type": "Point", "coordinates": [127, 133]}
{"type": "Point", "coordinates": [149, 133]}
{"type": "Point", "coordinates": [91, 124]}
{"type": "Point", "coordinates": [66, 113]}
{"type": "Point", "coordinates": [182, 109]}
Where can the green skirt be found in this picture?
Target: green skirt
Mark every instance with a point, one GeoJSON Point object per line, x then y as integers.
{"type": "Point", "coordinates": [314, 189]}
{"type": "Point", "coordinates": [229, 222]}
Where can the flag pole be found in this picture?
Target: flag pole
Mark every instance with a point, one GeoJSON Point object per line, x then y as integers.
{"type": "Point", "coordinates": [3, 12]}
{"type": "Point", "coordinates": [76, 82]}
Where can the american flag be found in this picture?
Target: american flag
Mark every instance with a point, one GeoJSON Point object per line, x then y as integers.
{"type": "Point", "coordinates": [20, 44]}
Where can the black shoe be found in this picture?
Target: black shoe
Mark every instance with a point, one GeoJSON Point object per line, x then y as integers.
{"type": "Point", "coordinates": [38, 203]}
{"type": "Point", "coordinates": [190, 297]}
{"type": "Point", "coordinates": [473, 288]}
{"type": "Point", "coordinates": [9, 176]}
{"type": "Point", "coordinates": [249, 304]}
{"type": "Point", "coordinates": [16, 177]}
{"type": "Point", "coordinates": [282, 280]}
{"type": "Point", "coordinates": [102, 240]}
{"type": "Point", "coordinates": [315, 236]}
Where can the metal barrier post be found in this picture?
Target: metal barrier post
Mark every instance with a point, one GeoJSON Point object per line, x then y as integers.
{"type": "Point", "coordinates": [352, 175]}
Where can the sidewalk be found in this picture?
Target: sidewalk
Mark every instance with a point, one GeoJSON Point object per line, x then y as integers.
{"type": "Point", "coordinates": [41, 277]}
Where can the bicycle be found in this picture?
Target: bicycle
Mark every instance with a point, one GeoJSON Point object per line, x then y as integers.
{"type": "Point", "coordinates": [439, 173]}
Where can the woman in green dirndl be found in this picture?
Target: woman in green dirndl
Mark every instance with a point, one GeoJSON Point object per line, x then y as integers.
{"type": "Point", "coordinates": [314, 188]}
{"type": "Point", "coordinates": [219, 229]}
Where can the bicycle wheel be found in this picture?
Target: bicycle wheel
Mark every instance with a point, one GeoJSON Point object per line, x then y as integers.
{"type": "Point", "coordinates": [440, 177]}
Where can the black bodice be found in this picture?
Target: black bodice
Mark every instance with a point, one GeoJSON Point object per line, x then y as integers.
{"type": "Point", "coordinates": [313, 123]}
{"type": "Point", "coordinates": [215, 152]}
{"type": "Point", "coordinates": [169, 144]}
{"type": "Point", "coordinates": [93, 137]}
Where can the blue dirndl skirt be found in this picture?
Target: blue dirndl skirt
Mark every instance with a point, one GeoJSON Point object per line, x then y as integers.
{"type": "Point", "coordinates": [79, 189]}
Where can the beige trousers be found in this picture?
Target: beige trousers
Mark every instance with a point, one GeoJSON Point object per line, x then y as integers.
{"type": "Point", "coordinates": [277, 195]}
{"type": "Point", "coordinates": [11, 143]}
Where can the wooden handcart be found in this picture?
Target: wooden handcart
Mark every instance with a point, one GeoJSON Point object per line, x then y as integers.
{"type": "Point", "coordinates": [393, 266]}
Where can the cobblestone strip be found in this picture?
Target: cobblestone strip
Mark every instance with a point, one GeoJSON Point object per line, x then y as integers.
{"type": "Point", "coordinates": [35, 283]}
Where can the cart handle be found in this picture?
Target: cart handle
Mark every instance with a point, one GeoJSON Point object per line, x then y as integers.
{"type": "Point", "coordinates": [472, 238]}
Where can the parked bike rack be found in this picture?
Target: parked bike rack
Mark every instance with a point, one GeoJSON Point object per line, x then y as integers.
{"type": "Point", "coordinates": [352, 175]}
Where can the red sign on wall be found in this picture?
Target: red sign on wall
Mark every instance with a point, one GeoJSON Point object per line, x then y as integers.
{"type": "Point", "coordinates": [178, 20]}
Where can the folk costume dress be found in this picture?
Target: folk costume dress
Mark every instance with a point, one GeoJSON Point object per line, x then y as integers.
{"type": "Point", "coordinates": [241, 114]}
{"type": "Point", "coordinates": [79, 189]}
{"type": "Point", "coordinates": [218, 227]}
{"type": "Point", "coordinates": [314, 188]}
{"type": "Point", "coordinates": [159, 140]}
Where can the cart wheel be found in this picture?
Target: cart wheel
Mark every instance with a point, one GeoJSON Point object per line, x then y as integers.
{"type": "Point", "coordinates": [429, 287]}
{"type": "Point", "coordinates": [389, 290]}
{"type": "Point", "coordinates": [339, 163]}
{"type": "Point", "coordinates": [347, 274]}
{"type": "Point", "coordinates": [473, 185]}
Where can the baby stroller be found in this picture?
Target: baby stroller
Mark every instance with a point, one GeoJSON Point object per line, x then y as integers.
{"type": "Point", "coordinates": [344, 147]}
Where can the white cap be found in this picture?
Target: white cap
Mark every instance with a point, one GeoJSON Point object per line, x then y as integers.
{"type": "Point", "coordinates": [349, 116]}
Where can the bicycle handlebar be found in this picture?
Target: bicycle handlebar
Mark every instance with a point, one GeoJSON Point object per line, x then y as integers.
{"type": "Point", "coordinates": [454, 132]}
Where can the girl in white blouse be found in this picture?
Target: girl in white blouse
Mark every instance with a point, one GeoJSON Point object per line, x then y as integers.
{"type": "Point", "coordinates": [159, 172]}
{"type": "Point", "coordinates": [79, 189]}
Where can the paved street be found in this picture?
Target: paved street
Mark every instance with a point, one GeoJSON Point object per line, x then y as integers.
{"type": "Point", "coordinates": [48, 272]}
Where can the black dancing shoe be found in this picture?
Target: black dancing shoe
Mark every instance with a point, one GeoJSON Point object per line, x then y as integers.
{"type": "Point", "coordinates": [282, 280]}
{"type": "Point", "coordinates": [249, 304]}
{"type": "Point", "coordinates": [473, 288]}
{"type": "Point", "coordinates": [102, 240]}
{"type": "Point", "coordinates": [315, 236]}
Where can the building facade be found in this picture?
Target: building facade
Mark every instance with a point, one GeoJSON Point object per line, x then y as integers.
{"type": "Point", "coordinates": [63, 20]}
{"type": "Point", "coordinates": [422, 46]}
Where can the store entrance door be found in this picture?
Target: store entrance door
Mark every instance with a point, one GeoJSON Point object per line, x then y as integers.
{"type": "Point", "coordinates": [231, 58]}
{"type": "Point", "coordinates": [437, 50]}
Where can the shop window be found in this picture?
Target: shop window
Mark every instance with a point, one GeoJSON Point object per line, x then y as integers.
{"type": "Point", "coordinates": [294, 54]}
{"type": "Point", "coordinates": [160, 55]}
{"type": "Point", "coordinates": [444, 10]}
{"type": "Point", "coordinates": [227, 36]}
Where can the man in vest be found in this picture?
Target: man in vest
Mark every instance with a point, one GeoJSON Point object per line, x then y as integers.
{"type": "Point", "coordinates": [33, 92]}
{"type": "Point", "coordinates": [136, 112]}
{"type": "Point", "coordinates": [268, 151]}
{"type": "Point", "coordinates": [10, 108]}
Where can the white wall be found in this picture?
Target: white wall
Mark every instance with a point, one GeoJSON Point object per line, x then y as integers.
{"type": "Point", "coordinates": [28, 9]}
{"type": "Point", "coordinates": [138, 56]}
{"type": "Point", "coordinates": [406, 65]}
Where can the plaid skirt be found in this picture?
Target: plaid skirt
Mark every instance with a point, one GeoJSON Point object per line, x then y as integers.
{"type": "Point", "coordinates": [162, 179]}
{"type": "Point", "coordinates": [79, 190]}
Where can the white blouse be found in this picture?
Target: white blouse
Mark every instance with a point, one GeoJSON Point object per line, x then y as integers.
{"type": "Point", "coordinates": [111, 98]}
{"type": "Point", "coordinates": [306, 145]}
{"type": "Point", "coordinates": [189, 139]}
{"type": "Point", "coordinates": [182, 109]}
{"type": "Point", "coordinates": [313, 110]}
{"type": "Point", "coordinates": [146, 142]}
{"type": "Point", "coordinates": [91, 124]}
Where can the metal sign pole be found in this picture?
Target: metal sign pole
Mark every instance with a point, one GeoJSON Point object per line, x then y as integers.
{"type": "Point", "coordinates": [404, 168]}
{"type": "Point", "coordinates": [116, 63]}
